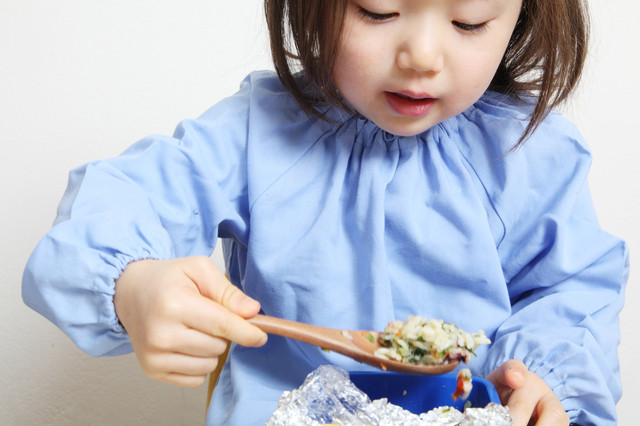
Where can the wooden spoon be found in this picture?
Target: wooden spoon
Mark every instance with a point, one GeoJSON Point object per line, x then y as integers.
{"type": "Point", "coordinates": [356, 344]}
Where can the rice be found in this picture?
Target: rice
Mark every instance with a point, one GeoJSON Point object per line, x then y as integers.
{"type": "Point", "coordinates": [422, 341]}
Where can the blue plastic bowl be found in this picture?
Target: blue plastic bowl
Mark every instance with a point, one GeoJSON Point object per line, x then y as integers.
{"type": "Point", "coordinates": [420, 394]}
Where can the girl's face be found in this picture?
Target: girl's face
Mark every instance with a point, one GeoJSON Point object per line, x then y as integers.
{"type": "Point", "coordinates": [409, 64]}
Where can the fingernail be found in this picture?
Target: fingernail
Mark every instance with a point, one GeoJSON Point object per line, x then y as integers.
{"type": "Point", "coordinates": [263, 340]}
{"type": "Point", "coordinates": [247, 301]}
{"type": "Point", "coordinates": [517, 374]}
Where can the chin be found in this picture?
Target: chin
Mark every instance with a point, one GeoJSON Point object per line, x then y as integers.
{"type": "Point", "coordinates": [405, 129]}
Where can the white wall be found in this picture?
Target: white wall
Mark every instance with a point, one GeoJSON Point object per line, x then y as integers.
{"type": "Point", "coordinates": [82, 80]}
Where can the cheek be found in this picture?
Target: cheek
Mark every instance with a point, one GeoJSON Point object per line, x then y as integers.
{"type": "Point", "coordinates": [350, 72]}
{"type": "Point", "coordinates": [485, 64]}
{"type": "Point", "coordinates": [472, 78]}
{"type": "Point", "coordinates": [343, 79]}
{"type": "Point", "coordinates": [359, 61]}
{"type": "Point", "coordinates": [351, 59]}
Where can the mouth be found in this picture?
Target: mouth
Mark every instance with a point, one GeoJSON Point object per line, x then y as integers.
{"type": "Point", "coordinates": [410, 104]}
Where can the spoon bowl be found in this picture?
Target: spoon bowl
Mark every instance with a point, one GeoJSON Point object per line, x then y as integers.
{"type": "Point", "coordinates": [356, 344]}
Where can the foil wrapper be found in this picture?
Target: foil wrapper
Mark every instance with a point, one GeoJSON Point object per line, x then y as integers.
{"type": "Point", "coordinates": [327, 396]}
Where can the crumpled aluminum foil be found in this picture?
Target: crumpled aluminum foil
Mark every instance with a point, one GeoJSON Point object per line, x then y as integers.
{"type": "Point", "coordinates": [327, 396]}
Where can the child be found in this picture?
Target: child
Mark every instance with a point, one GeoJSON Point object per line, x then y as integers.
{"type": "Point", "coordinates": [406, 170]}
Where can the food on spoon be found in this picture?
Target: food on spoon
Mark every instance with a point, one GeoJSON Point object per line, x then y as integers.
{"type": "Point", "coordinates": [422, 341]}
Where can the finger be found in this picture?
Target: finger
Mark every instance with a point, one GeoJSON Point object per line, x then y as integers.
{"type": "Point", "coordinates": [197, 343]}
{"type": "Point", "coordinates": [528, 402]}
{"type": "Point", "coordinates": [188, 341]}
{"type": "Point", "coordinates": [184, 380]}
{"type": "Point", "coordinates": [160, 365]}
{"type": "Point", "coordinates": [211, 318]}
{"type": "Point", "coordinates": [214, 285]}
{"type": "Point", "coordinates": [522, 405]}
{"type": "Point", "coordinates": [508, 376]}
{"type": "Point", "coordinates": [551, 412]}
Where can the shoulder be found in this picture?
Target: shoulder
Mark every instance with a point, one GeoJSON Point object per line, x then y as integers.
{"type": "Point", "coordinates": [499, 120]}
{"type": "Point", "coordinates": [489, 130]}
{"type": "Point", "coordinates": [261, 104]}
{"type": "Point", "coordinates": [552, 165]}
{"type": "Point", "coordinates": [266, 129]}
{"type": "Point", "coordinates": [260, 107]}
{"type": "Point", "coordinates": [259, 90]}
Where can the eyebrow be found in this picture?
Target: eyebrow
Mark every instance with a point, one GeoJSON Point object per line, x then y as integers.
{"type": "Point", "coordinates": [485, 1]}
{"type": "Point", "coordinates": [492, 2]}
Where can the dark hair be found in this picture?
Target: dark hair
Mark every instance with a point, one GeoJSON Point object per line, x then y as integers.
{"type": "Point", "coordinates": [544, 57]}
{"type": "Point", "coordinates": [305, 34]}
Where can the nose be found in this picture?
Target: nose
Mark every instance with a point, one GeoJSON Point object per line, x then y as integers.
{"type": "Point", "coordinates": [422, 50]}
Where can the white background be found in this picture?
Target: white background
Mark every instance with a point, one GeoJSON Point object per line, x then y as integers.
{"type": "Point", "coordinates": [82, 80]}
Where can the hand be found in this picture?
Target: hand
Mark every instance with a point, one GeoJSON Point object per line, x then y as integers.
{"type": "Point", "coordinates": [528, 397]}
{"type": "Point", "coordinates": [179, 314]}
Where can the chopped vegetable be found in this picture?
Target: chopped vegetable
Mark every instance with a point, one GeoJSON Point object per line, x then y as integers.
{"type": "Point", "coordinates": [422, 341]}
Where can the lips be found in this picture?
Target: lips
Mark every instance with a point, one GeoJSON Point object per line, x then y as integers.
{"type": "Point", "coordinates": [409, 104]}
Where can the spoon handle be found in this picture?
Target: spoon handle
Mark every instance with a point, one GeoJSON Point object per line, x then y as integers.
{"type": "Point", "coordinates": [326, 338]}
{"type": "Point", "coordinates": [359, 345]}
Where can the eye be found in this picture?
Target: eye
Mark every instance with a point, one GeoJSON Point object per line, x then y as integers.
{"type": "Point", "coordinates": [375, 17]}
{"type": "Point", "coordinates": [470, 28]}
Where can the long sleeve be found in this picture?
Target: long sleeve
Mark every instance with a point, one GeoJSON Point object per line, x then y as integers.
{"type": "Point", "coordinates": [163, 197]}
{"type": "Point", "coordinates": [566, 301]}
{"type": "Point", "coordinates": [565, 276]}
{"type": "Point", "coordinates": [344, 225]}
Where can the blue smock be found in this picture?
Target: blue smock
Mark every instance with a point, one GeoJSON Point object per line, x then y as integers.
{"type": "Point", "coordinates": [345, 225]}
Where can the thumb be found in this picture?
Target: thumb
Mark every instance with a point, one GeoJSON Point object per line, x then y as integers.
{"type": "Point", "coordinates": [508, 377]}
{"type": "Point", "coordinates": [213, 284]}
